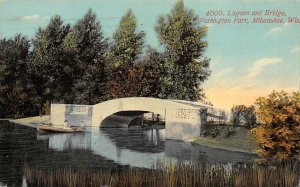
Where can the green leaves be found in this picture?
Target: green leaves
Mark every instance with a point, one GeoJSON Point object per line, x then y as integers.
{"type": "Point", "coordinates": [87, 48]}
{"type": "Point", "coordinates": [17, 96]}
{"type": "Point", "coordinates": [183, 39]}
{"type": "Point", "coordinates": [128, 42]}
{"type": "Point", "coordinates": [127, 46]}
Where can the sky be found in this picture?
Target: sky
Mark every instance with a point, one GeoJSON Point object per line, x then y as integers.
{"type": "Point", "coordinates": [248, 60]}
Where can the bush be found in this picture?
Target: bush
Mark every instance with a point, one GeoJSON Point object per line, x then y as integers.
{"type": "Point", "coordinates": [278, 134]}
{"type": "Point", "coordinates": [211, 131]}
{"type": "Point", "coordinates": [214, 132]}
{"type": "Point", "coordinates": [229, 132]}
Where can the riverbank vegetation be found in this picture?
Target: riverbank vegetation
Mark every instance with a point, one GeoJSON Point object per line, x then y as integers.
{"type": "Point", "coordinates": [208, 175]}
{"type": "Point", "coordinates": [229, 138]}
{"type": "Point", "coordinates": [279, 125]}
{"type": "Point", "coordinates": [77, 64]}
{"type": "Point", "coordinates": [274, 125]}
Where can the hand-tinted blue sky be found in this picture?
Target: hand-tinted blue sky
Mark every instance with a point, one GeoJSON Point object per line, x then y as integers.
{"type": "Point", "coordinates": [247, 60]}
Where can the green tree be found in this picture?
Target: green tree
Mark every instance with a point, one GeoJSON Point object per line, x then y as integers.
{"type": "Point", "coordinates": [183, 39]}
{"type": "Point", "coordinates": [17, 96]}
{"type": "Point", "coordinates": [147, 77]}
{"type": "Point", "coordinates": [242, 114]}
{"type": "Point", "coordinates": [86, 49]}
{"type": "Point", "coordinates": [49, 67]}
{"type": "Point", "coordinates": [278, 132]}
{"type": "Point", "coordinates": [152, 78]}
{"type": "Point", "coordinates": [127, 46]}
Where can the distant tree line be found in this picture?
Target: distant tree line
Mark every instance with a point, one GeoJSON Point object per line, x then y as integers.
{"type": "Point", "coordinates": [243, 115]}
{"type": "Point", "coordinates": [76, 64]}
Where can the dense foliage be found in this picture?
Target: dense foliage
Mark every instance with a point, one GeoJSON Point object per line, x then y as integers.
{"type": "Point", "coordinates": [278, 132]}
{"type": "Point", "coordinates": [48, 66]}
{"type": "Point", "coordinates": [17, 96]}
{"type": "Point", "coordinates": [183, 39]}
{"type": "Point", "coordinates": [86, 48]}
{"type": "Point", "coordinates": [76, 64]}
{"type": "Point", "coordinates": [243, 115]}
{"type": "Point", "coordinates": [126, 48]}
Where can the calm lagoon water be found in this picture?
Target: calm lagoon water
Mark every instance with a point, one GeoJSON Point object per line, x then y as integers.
{"type": "Point", "coordinates": [100, 149]}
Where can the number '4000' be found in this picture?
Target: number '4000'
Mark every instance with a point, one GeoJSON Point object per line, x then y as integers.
{"type": "Point", "coordinates": [214, 13]}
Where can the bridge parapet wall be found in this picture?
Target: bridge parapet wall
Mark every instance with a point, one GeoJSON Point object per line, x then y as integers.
{"type": "Point", "coordinates": [57, 116]}
{"type": "Point", "coordinates": [183, 123]}
{"type": "Point", "coordinates": [74, 114]}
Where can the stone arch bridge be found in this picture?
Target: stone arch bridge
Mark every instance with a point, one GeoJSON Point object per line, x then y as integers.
{"type": "Point", "coordinates": [183, 119]}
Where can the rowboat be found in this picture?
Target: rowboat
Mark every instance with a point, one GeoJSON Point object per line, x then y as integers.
{"type": "Point", "coordinates": [55, 129]}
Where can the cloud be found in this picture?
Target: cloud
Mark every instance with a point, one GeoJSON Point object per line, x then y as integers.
{"type": "Point", "coordinates": [223, 72]}
{"type": "Point", "coordinates": [295, 49]}
{"type": "Point", "coordinates": [275, 30]}
{"type": "Point", "coordinates": [215, 62]}
{"type": "Point", "coordinates": [225, 93]}
{"type": "Point", "coordinates": [257, 67]}
{"type": "Point", "coordinates": [31, 18]}
{"type": "Point", "coordinates": [35, 17]}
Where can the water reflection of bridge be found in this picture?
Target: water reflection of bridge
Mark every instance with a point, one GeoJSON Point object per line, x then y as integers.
{"type": "Point", "coordinates": [137, 147]}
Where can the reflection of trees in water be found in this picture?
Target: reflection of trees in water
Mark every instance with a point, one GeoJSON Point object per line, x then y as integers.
{"type": "Point", "coordinates": [137, 139]}
{"type": "Point", "coordinates": [19, 147]}
{"type": "Point", "coordinates": [184, 151]}
{"type": "Point", "coordinates": [198, 153]}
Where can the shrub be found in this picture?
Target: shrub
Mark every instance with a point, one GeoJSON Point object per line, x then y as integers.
{"type": "Point", "coordinates": [278, 134]}
{"type": "Point", "coordinates": [211, 131]}
{"type": "Point", "coordinates": [229, 132]}
{"type": "Point", "coordinates": [214, 132]}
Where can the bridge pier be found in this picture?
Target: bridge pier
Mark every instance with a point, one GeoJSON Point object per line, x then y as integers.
{"type": "Point", "coordinates": [182, 123]}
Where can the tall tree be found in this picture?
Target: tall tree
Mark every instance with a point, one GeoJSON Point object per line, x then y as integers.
{"type": "Point", "coordinates": [17, 96]}
{"type": "Point", "coordinates": [127, 46]}
{"type": "Point", "coordinates": [147, 76]}
{"type": "Point", "coordinates": [49, 67]}
{"type": "Point", "coordinates": [86, 50]}
{"type": "Point", "coordinates": [183, 39]}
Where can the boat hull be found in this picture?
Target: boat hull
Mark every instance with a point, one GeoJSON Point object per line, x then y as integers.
{"type": "Point", "coordinates": [53, 129]}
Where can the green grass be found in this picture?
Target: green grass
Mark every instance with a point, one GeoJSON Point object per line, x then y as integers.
{"type": "Point", "coordinates": [241, 141]}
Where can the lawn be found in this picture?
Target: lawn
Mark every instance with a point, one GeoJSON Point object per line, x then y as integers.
{"type": "Point", "coordinates": [241, 140]}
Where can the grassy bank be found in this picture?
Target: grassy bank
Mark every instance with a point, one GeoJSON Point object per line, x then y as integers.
{"type": "Point", "coordinates": [208, 175]}
{"type": "Point", "coordinates": [239, 139]}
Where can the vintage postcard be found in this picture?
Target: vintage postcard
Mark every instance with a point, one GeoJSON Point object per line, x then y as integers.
{"type": "Point", "coordinates": [149, 93]}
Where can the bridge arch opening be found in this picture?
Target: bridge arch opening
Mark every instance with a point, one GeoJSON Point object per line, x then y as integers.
{"type": "Point", "coordinates": [132, 118]}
